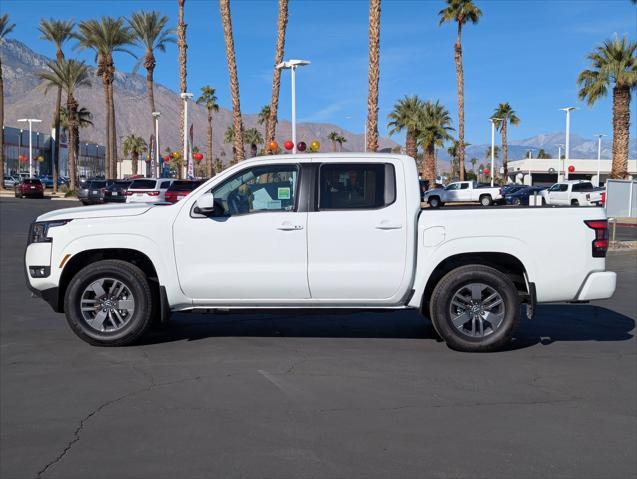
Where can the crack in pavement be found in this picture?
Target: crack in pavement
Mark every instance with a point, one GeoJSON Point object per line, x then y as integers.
{"type": "Point", "coordinates": [78, 430]}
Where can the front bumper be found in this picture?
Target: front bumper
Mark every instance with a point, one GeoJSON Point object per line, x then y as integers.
{"type": "Point", "coordinates": [599, 285]}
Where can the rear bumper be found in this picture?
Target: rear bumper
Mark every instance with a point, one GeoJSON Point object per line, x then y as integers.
{"type": "Point", "coordinates": [599, 285]}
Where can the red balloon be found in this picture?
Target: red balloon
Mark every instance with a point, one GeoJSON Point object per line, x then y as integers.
{"type": "Point", "coordinates": [198, 156]}
{"type": "Point", "coordinates": [166, 158]}
{"type": "Point", "coordinates": [301, 146]}
{"type": "Point", "coordinates": [571, 169]}
{"type": "Point", "coordinates": [486, 171]}
{"type": "Point", "coordinates": [288, 145]}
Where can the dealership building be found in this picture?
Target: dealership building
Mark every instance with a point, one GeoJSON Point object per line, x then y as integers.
{"type": "Point", "coordinates": [533, 171]}
{"type": "Point", "coordinates": [16, 154]}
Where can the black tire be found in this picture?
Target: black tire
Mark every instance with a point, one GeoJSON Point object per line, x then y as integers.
{"type": "Point", "coordinates": [516, 202]}
{"type": "Point", "coordinates": [135, 280]}
{"type": "Point", "coordinates": [441, 308]}
{"type": "Point", "coordinates": [434, 202]}
{"type": "Point", "coordinates": [486, 200]}
{"type": "Point", "coordinates": [574, 203]}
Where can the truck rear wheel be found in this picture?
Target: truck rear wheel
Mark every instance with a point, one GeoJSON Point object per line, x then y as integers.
{"type": "Point", "coordinates": [109, 303]}
{"type": "Point", "coordinates": [434, 202]}
{"type": "Point", "coordinates": [475, 308]}
{"type": "Point", "coordinates": [486, 200]}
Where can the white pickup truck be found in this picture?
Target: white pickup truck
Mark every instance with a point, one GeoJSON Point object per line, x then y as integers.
{"type": "Point", "coordinates": [463, 192]}
{"type": "Point", "coordinates": [314, 231]}
{"type": "Point", "coordinates": [573, 193]}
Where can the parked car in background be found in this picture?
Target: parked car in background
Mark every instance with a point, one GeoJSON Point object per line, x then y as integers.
{"type": "Point", "coordinates": [571, 192]}
{"type": "Point", "coordinates": [462, 192]}
{"type": "Point", "coordinates": [424, 186]}
{"type": "Point", "coordinates": [10, 181]}
{"type": "Point", "coordinates": [148, 190]}
{"type": "Point", "coordinates": [511, 188]}
{"type": "Point", "coordinates": [180, 189]}
{"type": "Point", "coordinates": [92, 192]}
{"type": "Point", "coordinates": [521, 196]}
{"type": "Point", "coordinates": [116, 191]}
{"type": "Point", "coordinates": [597, 196]}
{"type": "Point", "coordinates": [29, 188]}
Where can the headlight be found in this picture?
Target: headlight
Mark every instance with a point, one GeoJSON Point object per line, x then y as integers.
{"type": "Point", "coordinates": [38, 233]}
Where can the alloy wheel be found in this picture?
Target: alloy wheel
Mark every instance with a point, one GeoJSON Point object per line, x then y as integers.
{"type": "Point", "coordinates": [477, 310]}
{"type": "Point", "coordinates": [107, 304]}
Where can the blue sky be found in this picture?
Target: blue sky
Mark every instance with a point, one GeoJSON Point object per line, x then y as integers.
{"type": "Point", "coordinates": [526, 52]}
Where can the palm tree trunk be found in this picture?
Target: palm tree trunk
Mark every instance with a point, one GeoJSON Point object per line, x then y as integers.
{"type": "Point", "coordinates": [253, 150]}
{"type": "Point", "coordinates": [71, 108]}
{"type": "Point", "coordinates": [134, 162]}
{"type": "Point", "coordinates": [460, 83]}
{"type": "Point", "coordinates": [411, 147]}
{"type": "Point", "coordinates": [149, 65]}
{"type": "Point", "coordinates": [504, 150]}
{"type": "Point", "coordinates": [114, 153]}
{"type": "Point", "coordinates": [183, 46]}
{"type": "Point", "coordinates": [276, 76]}
{"type": "Point", "coordinates": [374, 75]}
{"type": "Point", "coordinates": [109, 142]}
{"type": "Point", "coordinates": [429, 166]}
{"type": "Point", "coordinates": [237, 125]}
{"type": "Point", "coordinates": [1, 127]}
{"type": "Point", "coordinates": [209, 162]}
{"type": "Point", "coordinates": [621, 131]}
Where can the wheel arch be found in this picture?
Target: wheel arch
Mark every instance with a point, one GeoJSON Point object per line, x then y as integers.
{"type": "Point", "coordinates": [507, 263]}
{"type": "Point", "coordinates": [86, 257]}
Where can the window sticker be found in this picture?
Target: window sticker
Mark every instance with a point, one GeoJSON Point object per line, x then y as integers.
{"type": "Point", "coordinates": [283, 193]}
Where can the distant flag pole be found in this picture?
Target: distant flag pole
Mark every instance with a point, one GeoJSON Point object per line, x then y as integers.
{"type": "Point", "coordinates": [151, 153]}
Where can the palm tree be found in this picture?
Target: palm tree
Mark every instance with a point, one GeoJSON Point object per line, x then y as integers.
{"type": "Point", "coordinates": [70, 75]}
{"type": "Point", "coordinates": [505, 115]}
{"type": "Point", "coordinates": [340, 140]}
{"type": "Point", "coordinates": [228, 138]}
{"type": "Point", "coordinates": [83, 119]}
{"type": "Point", "coordinates": [5, 29]}
{"type": "Point", "coordinates": [264, 118]}
{"type": "Point", "coordinates": [209, 99]}
{"type": "Point", "coordinates": [276, 76]}
{"type": "Point", "coordinates": [107, 36]}
{"type": "Point", "coordinates": [473, 164]}
{"type": "Point", "coordinates": [134, 146]}
{"type": "Point", "coordinates": [253, 138]}
{"type": "Point", "coordinates": [237, 123]}
{"type": "Point", "coordinates": [333, 136]}
{"type": "Point", "coordinates": [149, 29]}
{"type": "Point", "coordinates": [461, 12]}
{"type": "Point", "coordinates": [453, 151]}
{"type": "Point", "coordinates": [183, 70]}
{"type": "Point", "coordinates": [496, 152]}
{"type": "Point", "coordinates": [405, 116]}
{"type": "Point", "coordinates": [543, 155]}
{"type": "Point", "coordinates": [613, 64]}
{"type": "Point", "coordinates": [373, 75]}
{"type": "Point", "coordinates": [434, 129]}
{"type": "Point", "coordinates": [58, 32]}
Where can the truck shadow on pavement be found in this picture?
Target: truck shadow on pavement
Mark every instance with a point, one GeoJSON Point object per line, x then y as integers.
{"type": "Point", "coordinates": [552, 323]}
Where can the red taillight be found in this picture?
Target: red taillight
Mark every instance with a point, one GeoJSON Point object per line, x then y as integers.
{"type": "Point", "coordinates": [153, 193]}
{"type": "Point", "coordinates": [128, 193]}
{"type": "Point", "coordinates": [600, 243]}
{"type": "Point", "coordinates": [603, 197]}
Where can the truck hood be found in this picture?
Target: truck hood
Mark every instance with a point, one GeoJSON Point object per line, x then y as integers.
{"type": "Point", "coordinates": [435, 190]}
{"type": "Point", "coordinates": [97, 211]}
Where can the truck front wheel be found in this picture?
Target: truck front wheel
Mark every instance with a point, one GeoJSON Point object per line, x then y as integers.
{"type": "Point", "coordinates": [109, 303]}
{"type": "Point", "coordinates": [475, 308]}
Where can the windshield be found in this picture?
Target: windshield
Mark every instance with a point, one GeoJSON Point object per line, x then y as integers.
{"type": "Point", "coordinates": [97, 184]}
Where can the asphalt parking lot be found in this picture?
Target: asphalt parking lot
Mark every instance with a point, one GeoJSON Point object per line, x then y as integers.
{"type": "Point", "coordinates": [364, 395]}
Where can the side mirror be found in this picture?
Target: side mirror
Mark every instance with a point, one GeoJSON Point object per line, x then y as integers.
{"type": "Point", "coordinates": [205, 204]}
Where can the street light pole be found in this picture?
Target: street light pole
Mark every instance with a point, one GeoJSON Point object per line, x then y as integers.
{"type": "Point", "coordinates": [568, 110]}
{"type": "Point", "coordinates": [185, 97]}
{"type": "Point", "coordinates": [156, 116]}
{"type": "Point", "coordinates": [30, 121]}
{"type": "Point", "coordinates": [493, 120]}
{"type": "Point", "coordinates": [292, 65]}
{"type": "Point", "coordinates": [599, 155]}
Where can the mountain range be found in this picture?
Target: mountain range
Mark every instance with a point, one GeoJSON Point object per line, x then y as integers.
{"type": "Point", "coordinates": [25, 97]}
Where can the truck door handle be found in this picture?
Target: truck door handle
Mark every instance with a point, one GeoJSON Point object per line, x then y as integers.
{"type": "Point", "coordinates": [289, 227]}
{"type": "Point", "coordinates": [386, 225]}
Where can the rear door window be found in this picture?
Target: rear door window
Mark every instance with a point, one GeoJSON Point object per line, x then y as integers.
{"type": "Point", "coordinates": [356, 186]}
